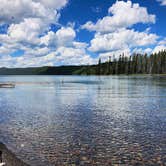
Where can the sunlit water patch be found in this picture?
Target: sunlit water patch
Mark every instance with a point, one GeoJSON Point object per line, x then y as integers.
{"type": "Point", "coordinates": [65, 120]}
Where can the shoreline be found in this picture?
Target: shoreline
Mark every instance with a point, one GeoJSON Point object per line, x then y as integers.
{"type": "Point", "coordinates": [9, 158]}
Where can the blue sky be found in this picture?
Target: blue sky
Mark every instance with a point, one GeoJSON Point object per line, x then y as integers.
{"type": "Point", "coordinates": [73, 32]}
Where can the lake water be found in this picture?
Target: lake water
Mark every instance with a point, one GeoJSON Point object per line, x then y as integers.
{"type": "Point", "coordinates": [79, 120]}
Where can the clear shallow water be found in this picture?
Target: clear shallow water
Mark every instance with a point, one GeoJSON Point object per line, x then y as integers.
{"type": "Point", "coordinates": [64, 120]}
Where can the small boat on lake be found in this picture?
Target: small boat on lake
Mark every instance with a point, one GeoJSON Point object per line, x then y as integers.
{"type": "Point", "coordinates": [7, 85]}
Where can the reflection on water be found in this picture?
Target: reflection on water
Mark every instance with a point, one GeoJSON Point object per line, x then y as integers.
{"type": "Point", "coordinates": [85, 120]}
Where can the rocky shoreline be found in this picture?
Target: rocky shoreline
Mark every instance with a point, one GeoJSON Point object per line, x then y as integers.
{"type": "Point", "coordinates": [7, 157]}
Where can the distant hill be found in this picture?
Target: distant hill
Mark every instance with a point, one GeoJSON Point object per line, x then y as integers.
{"type": "Point", "coordinates": [62, 70]}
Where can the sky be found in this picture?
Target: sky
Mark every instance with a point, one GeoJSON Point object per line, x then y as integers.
{"type": "Point", "coordinates": [72, 32]}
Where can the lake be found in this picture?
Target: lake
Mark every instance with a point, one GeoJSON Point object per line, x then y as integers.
{"type": "Point", "coordinates": [85, 120]}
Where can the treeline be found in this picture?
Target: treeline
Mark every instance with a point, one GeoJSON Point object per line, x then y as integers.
{"type": "Point", "coordinates": [135, 64]}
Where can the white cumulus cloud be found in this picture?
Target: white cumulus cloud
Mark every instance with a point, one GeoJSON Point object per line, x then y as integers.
{"type": "Point", "coordinates": [122, 39]}
{"type": "Point", "coordinates": [56, 4]}
{"type": "Point", "coordinates": [162, 2]}
{"type": "Point", "coordinates": [124, 14]}
{"type": "Point", "coordinates": [28, 30]}
{"type": "Point", "coordinates": [159, 48]}
{"type": "Point", "coordinates": [63, 37]}
{"type": "Point", "coordinates": [17, 10]}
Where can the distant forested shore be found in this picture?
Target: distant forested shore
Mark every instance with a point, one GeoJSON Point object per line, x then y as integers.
{"type": "Point", "coordinates": [135, 64]}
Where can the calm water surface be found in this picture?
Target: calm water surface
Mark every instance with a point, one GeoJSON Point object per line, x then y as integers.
{"type": "Point", "coordinates": [73, 120]}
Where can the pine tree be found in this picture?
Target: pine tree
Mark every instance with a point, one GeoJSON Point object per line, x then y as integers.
{"type": "Point", "coordinates": [135, 64]}
{"type": "Point", "coordinates": [99, 67]}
